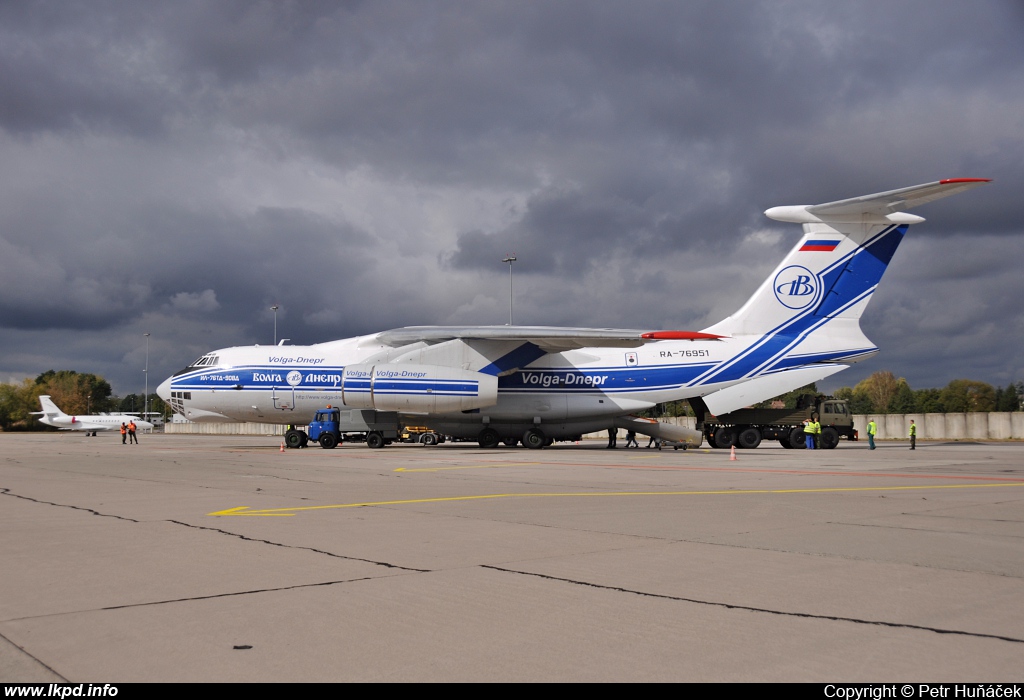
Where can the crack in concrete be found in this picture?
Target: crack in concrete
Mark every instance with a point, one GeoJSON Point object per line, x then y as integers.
{"type": "Point", "coordinates": [7, 492]}
{"type": "Point", "coordinates": [34, 658]}
{"type": "Point", "coordinates": [310, 549]}
{"type": "Point", "coordinates": [749, 608]}
{"type": "Point", "coordinates": [233, 593]}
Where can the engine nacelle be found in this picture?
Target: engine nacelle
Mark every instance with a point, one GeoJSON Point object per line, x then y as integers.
{"type": "Point", "coordinates": [417, 388]}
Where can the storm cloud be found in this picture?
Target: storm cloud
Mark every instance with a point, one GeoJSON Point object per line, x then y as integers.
{"type": "Point", "coordinates": [179, 168]}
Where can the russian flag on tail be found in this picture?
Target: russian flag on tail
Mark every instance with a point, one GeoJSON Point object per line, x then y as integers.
{"type": "Point", "coordinates": [820, 245]}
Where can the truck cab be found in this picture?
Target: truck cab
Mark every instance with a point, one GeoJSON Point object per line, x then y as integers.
{"type": "Point", "coordinates": [324, 428]}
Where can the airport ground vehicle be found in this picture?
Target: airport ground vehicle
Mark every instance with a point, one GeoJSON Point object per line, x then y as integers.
{"type": "Point", "coordinates": [332, 426]}
{"type": "Point", "coordinates": [420, 433]}
{"type": "Point", "coordinates": [746, 427]}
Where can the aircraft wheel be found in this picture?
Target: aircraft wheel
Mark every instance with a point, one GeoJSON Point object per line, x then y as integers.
{"type": "Point", "coordinates": [725, 437]}
{"type": "Point", "coordinates": [749, 439]}
{"type": "Point", "coordinates": [305, 439]}
{"type": "Point", "coordinates": [511, 442]}
{"type": "Point", "coordinates": [534, 438]}
{"type": "Point", "coordinates": [488, 438]}
{"type": "Point", "coordinates": [548, 442]}
{"type": "Point", "coordinates": [293, 439]}
{"type": "Point", "coordinates": [375, 441]}
{"type": "Point", "coordinates": [429, 439]}
{"type": "Point", "coordinates": [328, 441]}
{"type": "Point", "coordinates": [797, 440]}
{"type": "Point", "coordinates": [829, 438]}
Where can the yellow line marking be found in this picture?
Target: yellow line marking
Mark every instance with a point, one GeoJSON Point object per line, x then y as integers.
{"type": "Point", "coordinates": [475, 466]}
{"type": "Point", "coordinates": [244, 510]}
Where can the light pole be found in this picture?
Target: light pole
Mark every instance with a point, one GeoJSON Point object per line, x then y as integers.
{"type": "Point", "coordinates": [274, 308]}
{"type": "Point", "coordinates": [145, 402]}
{"type": "Point", "coordinates": [510, 259]}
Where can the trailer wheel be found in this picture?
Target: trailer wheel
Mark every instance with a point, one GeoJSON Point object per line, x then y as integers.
{"type": "Point", "coordinates": [429, 439]}
{"type": "Point", "coordinates": [328, 441]}
{"type": "Point", "coordinates": [725, 437]}
{"type": "Point", "coordinates": [488, 438]}
{"type": "Point", "coordinates": [829, 438]}
{"type": "Point", "coordinates": [749, 438]}
{"type": "Point", "coordinates": [375, 440]}
{"type": "Point", "coordinates": [534, 439]}
{"type": "Point", "coordinates": [293, 439]}
{"type": "Point", "coordinates": [797, 440]}
{"type": "Point", "coordinates": [511, 442]}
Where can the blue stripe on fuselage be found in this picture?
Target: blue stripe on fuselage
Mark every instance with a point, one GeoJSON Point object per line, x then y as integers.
{"type": "Point", "coordinates": [520, 357]}
{"type": "Point", "coordinates": [866, 263]}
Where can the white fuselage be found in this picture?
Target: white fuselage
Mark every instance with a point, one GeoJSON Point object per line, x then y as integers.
{"type": "Point", "coordinates": [92, 423]}
{"type": "Point", "coordinates": [565, 393]}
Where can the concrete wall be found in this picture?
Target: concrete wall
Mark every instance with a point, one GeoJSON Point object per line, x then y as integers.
{"type": "Point", "coordinates": [930, 426]}
{"type": "Point", "coordinates": [224, 428]}
{"type": "Point", "coordinates": [946, 426]}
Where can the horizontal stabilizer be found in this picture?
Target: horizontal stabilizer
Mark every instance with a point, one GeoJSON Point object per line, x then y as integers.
{"type": "Point", "coordinates": [881, 208]}
{"type": "Point", "coordinates": [766, 387]}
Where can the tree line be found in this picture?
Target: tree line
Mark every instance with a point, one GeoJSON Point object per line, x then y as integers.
{"type": "Point", "coordinates": [75, 393]}
{"type": "Point", "coordinates": [883, 392]}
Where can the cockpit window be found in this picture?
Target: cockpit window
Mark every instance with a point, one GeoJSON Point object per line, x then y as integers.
{"type": "Point", "coordinates": [208, 360]}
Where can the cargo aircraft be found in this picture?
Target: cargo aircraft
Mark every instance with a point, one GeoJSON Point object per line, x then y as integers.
{"type": "Point", "coordinates": [539, 383]}
{"type": "Point", "coordinates": [51, 415]}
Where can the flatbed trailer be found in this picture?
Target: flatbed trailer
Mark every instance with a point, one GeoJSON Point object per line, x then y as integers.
{"type": "Point", "coordinates": [747, 427]}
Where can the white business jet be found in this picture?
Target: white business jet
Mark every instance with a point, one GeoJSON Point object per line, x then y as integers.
{"type": "Point", "coordinates": [51, 415]}
{"type": "Point", "coordinates": [538, 384]}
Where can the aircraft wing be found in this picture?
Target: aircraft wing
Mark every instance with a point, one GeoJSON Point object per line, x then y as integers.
{"type": "Point", "coordinates": [548, 338]}
{"type": "Point", "coordinates": [84, 425]}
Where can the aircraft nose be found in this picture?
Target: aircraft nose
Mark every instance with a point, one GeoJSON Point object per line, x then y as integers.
{"type": "Point", "coordinates": [164, 390]}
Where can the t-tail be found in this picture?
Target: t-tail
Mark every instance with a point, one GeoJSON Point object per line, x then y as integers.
{"type": "Point", "coordinates": [803, 323]}
{"type": "Point", "coordinates": [49, 407]}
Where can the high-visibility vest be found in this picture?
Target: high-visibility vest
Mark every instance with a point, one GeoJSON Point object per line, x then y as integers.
{"type": "Point", "coordinates": [817, 427]}
{"type": "Point", "coordinates": [872, 428]}
{"type": "Point", "coordinates": [809, 428]}
{"type": "Point", "coordinates": [913, 429]}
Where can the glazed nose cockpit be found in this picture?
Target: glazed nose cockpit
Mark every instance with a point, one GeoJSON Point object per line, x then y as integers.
{"type": "Point", "coordinates": [176, 399]}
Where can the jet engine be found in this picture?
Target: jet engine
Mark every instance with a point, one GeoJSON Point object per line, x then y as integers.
{"type": "Point", "coordinates": [417, 388]}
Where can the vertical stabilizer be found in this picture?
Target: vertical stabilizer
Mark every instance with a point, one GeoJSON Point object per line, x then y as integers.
{"type": "Point", "coordinates": [835, 268]}
{"type": "Point", "coordinates": [49, 407]}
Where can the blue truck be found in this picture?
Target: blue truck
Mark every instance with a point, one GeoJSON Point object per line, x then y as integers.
{"type": "Point", "coordinates": [332, 426]}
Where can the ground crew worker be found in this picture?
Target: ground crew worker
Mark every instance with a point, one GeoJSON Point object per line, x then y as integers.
{"type": "Point", "coordinates": [631, 438]}
{"type": "Point", "coordinates": [124, 433]}
{"type": "Point", "coordinates": [817, 432]}
{"type": "Point", "coordinates": [872, 431]}
{"type": "Point", "coordinates": [131, 433]}
{"type": "Point", "coordinates": [809, 433]}
{"type": "Point", "coordinates": [913, 435]}
{"type": "Point", "coordinates": [612, 434]}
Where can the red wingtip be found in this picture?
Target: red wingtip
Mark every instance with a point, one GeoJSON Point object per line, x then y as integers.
{"type": "Point", "coordinates": [953, 180]}
{"type": "Point", "coordinates": [680, 335]}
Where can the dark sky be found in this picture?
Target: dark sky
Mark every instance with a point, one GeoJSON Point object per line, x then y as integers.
{"type": "Point", "coordinates": [178, 168]}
